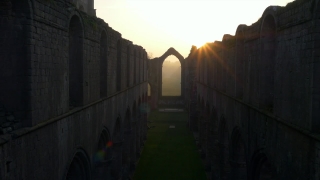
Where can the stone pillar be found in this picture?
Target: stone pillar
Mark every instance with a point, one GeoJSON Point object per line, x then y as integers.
{"type": "Point", "coordinates": [208, 146]}
{"type": "Point", "coordinates": [116, 170]}
{"type": "Point", "coordinates": [133, 148]}
{"type": "Point", "coordinates": [141, 130]}
{"type": "Point", "coordinates": [138, 132]}
{"type": "Point", "coordinates": [145, 120]}
{"type": "Point", "coordinates": [126, 155]}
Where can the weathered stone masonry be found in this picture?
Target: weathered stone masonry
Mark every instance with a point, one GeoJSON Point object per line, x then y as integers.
{"type": "Point", "coordinates": [155, 77]}
{"type": "Point", "coordinates": [254, 97]}
{"type": "Point", "coordinates": [68, 86]}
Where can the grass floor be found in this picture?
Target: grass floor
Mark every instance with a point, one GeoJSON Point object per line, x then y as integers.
{"type": "Point", "coordinates": [169, 153]}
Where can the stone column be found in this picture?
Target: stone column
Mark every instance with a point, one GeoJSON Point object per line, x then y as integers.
{"type": "Point", "coordinates": [126, 155]}
{"type": "Point", "coordinates": [133, 148]}
{"type": "Point", "coordinates": [116, 170]}
{"type": "Point", "coordinates": [138, 132]}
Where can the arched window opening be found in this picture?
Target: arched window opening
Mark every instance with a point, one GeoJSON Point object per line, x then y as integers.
{"type": "Point", "coordinates": [214, 145]}
{"type": "Point", "coordinates": [133, 137]}
{"type": "Point", "coordinates": [239, 83]}
{"type": "Point", "coordinates": [103, 65]}
{"type": "Point", "coordinates": [149, 90]}
{"type": "Point", "coordinates": [134, 67]}
{"type": "Point", "coordinates": [210, 75]}
{"type": "Point", "coordinates": [204, 68]}
{"type": "Point", "coordinates": [75, 63]}
{"type": "Point", "coordinates": [103, 156]}
{"type": "Point", "coordinates": [139, 67]}
{"type": "Point", "coordinates": [238, 156]}
{"type": "Point", "coordinates": [224, 167]}
{"type": "Point", "coordinates": [315, 127]}
{"type": "Point", "coordinates": [171, 77]}
{"type": "Point", "coordinates": [126, 147]}
{"type": "Point", "coordinates": [117, 149]}
{"type": "Point", "coordinates": [208, 138]}
{"type": "Point", "coordinates": [143, 59]}
{"type": "Point", "coordinates": [128, 66]}
{"type": "Point", "coordinates": [267, 63]}
{"type": "Point", "coordinates": [138, 128]}
{"type": "Point", "coordinates": [79, 168]}
{"type": "Point", "coordinates": [119, 53]}
{"type": "Point", "coordinates": [105, 144]}
{"type": "Point", "coordinates": [262, 168]}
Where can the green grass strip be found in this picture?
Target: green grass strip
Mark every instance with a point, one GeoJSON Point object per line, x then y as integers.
{"type": "Point", "coordinates": [169, 153]}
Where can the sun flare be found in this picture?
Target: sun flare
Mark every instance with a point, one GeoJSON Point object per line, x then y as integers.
{"type": "Point", "coordinates": [158, 25]}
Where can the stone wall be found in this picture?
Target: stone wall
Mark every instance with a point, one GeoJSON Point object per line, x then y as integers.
{"type": "Point", "coordinates": [60, 70]}
{"type": "Point", "coordinates": [257, 97]}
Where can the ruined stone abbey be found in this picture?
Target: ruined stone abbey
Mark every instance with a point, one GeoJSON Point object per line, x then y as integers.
{"type": "Point", "coordinates": [73, 95]}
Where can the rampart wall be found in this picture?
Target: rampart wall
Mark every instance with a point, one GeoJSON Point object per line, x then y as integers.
{"type": "Point", "coordinates": [70, 85]}
{"type": "Point", "coordinates": [253, 97]}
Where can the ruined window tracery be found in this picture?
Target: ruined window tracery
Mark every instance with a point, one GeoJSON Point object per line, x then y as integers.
{"type": "Point", "coordinates": [267, 63]}
{"type": "Point", "coordinates": [103, 65]}
{"type": "Point", "coordinates": [119, 53]}
{"type": "Point", "coordinates": [75, 63]}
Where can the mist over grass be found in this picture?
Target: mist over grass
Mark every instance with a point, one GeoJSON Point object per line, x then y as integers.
{"type": "Point", "coordinates": [171, 78]}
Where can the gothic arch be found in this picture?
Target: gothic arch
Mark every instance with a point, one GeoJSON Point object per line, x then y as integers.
{"type": "Point", "coordinates": [103, 64]}
{"type": "Point", "coordinates": [171, 51]}
{"type": "Point", "coordinates": [214, 142]}
{"type": "Point", "coordinates": [103, 156]}
{"type": "Point", "coordinates": [261, 168]}
{"type": "Point", "coordinates": [79, 167]}
{"type": "Point", "coordinates": [133, 148]}
{"type": "Point", "coordinates": [126, 147]}
{"type": "Point", "coordinates": [119, 59]}
{"type": "Point", "coordinates": [315, 99]}
{"type": "Point", "coordinates": [207, 136]}
{"type": "Point", "coordinates": [268, 35]}
{"type": "Point", "coordinates": [134, 66]}
{"type": "Point", "coordinates": [223, 159]}
{"type": "Point", "coordinates": [240, 61]}
{"type": "Point", "coordinates": [117, 137]}
{"type": "Point", "coordinates": [128, 65]}
{"type": "Point", "coordinates": [238, 158]}
{"type": "Point", "coordinates": [76, 38]}
{"type": "Point", "coordinates": [21, 48]}
{"type": "Point", "coordinates": [138, 127]}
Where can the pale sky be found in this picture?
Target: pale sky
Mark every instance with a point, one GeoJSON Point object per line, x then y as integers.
{"type": "Point", "coordinates": [158, 25]}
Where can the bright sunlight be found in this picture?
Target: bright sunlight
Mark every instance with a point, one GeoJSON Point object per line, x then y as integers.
{"type": "Point", "coordinates": [160, 24]}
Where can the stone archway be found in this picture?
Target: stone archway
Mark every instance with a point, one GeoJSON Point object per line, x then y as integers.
{"type": "Point", "coordinates": [316, 75]}
{"type": "Point", "coordinates": [79, 168]}
{"type": "Point", "coordinates": [126, 156]}
{"type": "Point", "coordinates": [238, 159]}
{"type": "Point", "coordinates": [117, 149]}
{"type": "Point", "coordinates": [103, 157]}
{"type": "Point", "coordinates": [155, 79]}
{"type": "Point", "coordinates": [75, 62]}
{"type": "Point", "coordinates": [261, 168]}
{"type": "Point", "coordinates": [268, 38]}
{"type": "Point", "coordinates": [223, 160]}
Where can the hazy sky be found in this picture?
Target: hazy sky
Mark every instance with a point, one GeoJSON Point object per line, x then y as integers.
{"type": "Point", "coordinates": [160, 24]}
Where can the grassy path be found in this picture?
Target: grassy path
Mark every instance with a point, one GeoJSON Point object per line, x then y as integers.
{"type": "Point", "coordinates": [169, 153]}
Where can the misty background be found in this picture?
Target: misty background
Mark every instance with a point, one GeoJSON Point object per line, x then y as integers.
{"type": "Point", "coordinates": [171, 77]}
